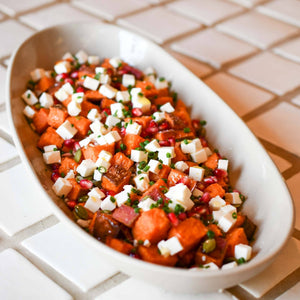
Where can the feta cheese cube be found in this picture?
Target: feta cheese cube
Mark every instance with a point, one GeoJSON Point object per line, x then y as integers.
{"type": "Point", "coordinates": [141, 102]}
{"type": "Point", "coordinates": [84, 142]}
{"type": "Point", "coordinates": [37, 74]}
{"type": "Point", "coordinates": [105, 155]}
{"type": "Point", "coordinates": [216, 203]}
{"type": "Point", "coordinates": [191, 146]}
{"type": "Point", "coordinates": [149, 71]}
{"type": "Point", "coordinates": [101, 140]}
{"type": "Point", "coordinates": [108, 204]}
{"type": "Point", "coordinates": [199, 156]}
{"type": "Point", "coordinates": [121, 198]}
{"type": "Point", "coordinates": [147, 243]}
{"type": "Point", "coordinates": [217, 214]}
{"type": "Point", "coordinates": [138, 156]}
{"type": "Point", "coordinates": [134, 92]}
{"type": "Point", "coordinates": [223, 164]}
{"type": "Point", "coordinates": [208, 151]}
{"type": "Point", "coordinates": [74, 108]}
{"type": "Point", "coordinates": [62, 67]}
{"type": "Point", "coordinates": [210, 267]}
{"type": "Point", "coordinates": [29, 112]}
{"type": "Point", "coordinates": [233, 198]}
{"type": "Point", "coordinates": [66, 130]}
{"type": "Point", "coordinates": [93, 60]}
{"type": "Point", "coordinates": [50, 148]}
{"type": "Point", "coordinates": [91, 83]}
{"type": "Point", "coordinates": [61, 95]}
{"type": "Point", "coordinates": [134, 128]}
{"type": "Point", "coordinates": [52, 157]}
{"type": "Point", "coordinates": [128, 80]}
{"type": "Point", "coordinates": [180, 194]}
{"type": "Point", "coordinates": [93, 115]}
{"type": "Point", "coordinates": [164, 152]}
{"type": "Point", "coordinates": [145, 205]}
{"type": "Point", "coordinates": [117, 110]}
{"type": "Point", "coordinates": [166, 161]}
{"type": "Point", "coordinates": [150, 78]}
{"type": "Point", "coordinates": [115, 62]}
{"type": "Point", "coordinates": [68, 55]}
{"type": "Point", "coordinates": [112, 137]}
{"type": "Point", "coordinates": [86, 168]}
{"type": "Point", "coordinates": [226, 222]}
{"type": "Point", "coordinates": [153, 146]}
{"type": "Point", "coordinates": [142, 182]}
{"type": "Point", "coordinates": [67, 87]}
{"type": "Point", "coordinates": [46, 100]}
{"type": "Point", "coordinates": [196, 173]}
{"type": "Point", "coordinates": [181, 166]}
{"type": "Point", "coordinates": [230, 265]}
{"type": "Point", "coordinates": [154, 166]}
{"type": "Point", "coordinates": [81, 56]}
{"type": "Point", "coordinates": [98, 127]}
{"type": "Point", "coordinates": [128, 188]}
{"type": "Point", "coordinates": [96, 192]}
{"type": "Point", "coordinates": [104, 79]}
{"type": "Point", "coordinates": [228, 209]}
{"type": "Point", "coordinates": [93, 204]}
{"type": "Point", "coordinates": [97, 175]}
{"type": "Point", "coordinates": [170, 246]}
{"type": "Point", "coordinates": [30, 98]}
{"type": "Point", "coordinates": [197, 193]}
{"type": "Point", "coordinates": [123, 96]}
{"type": "Point", "coordinates": [168, 108]}
{"type": "Point", "coordinates": [108, 91]}
{"type": "Point", "coordinates": [102, 165]}
{"type": "Point", "coordinates": [111, 121]}
{"type": "Point", "coordinates": [159, 116]}
{"type": "Point", "coordinates": [161, 83]}
{"type": "Point", "coordinates": [70, 174]}
{"type": "Point", "coordinates": [62, 187]}
{"type": "Point", "coordinates": [242, 251]}
{"type": "Point", "coordinates": [101, 70]}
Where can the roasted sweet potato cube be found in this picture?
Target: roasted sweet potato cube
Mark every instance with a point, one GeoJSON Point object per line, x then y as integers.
{"type": "Point", "coordinates": [93, 96]}
{"type": "Point", "coordinates": [143, 121]}
{"type": "Point", "coordinates": [122, 160]}
{"type": "Point", "coordinates": [106, 103]}
{"type": "Point", "coordinates": [119, 245]}
{"type": "Point", "coordinates": [148, 88]}
{"type": "Point", "coordinates": [181, 134]}
{"type": "Point", "coordinates": [165, 134]}
{"type": "Point", "coordinates": [155, 191]}
{"type": "Point", "coordinates": [180, 156]}
{"type": "Point", "coordinates": [57, 116]}
{"type": "Point", "coordinates": [174, 121]}
{"type": "Point", "coordinates": [40, 120]}
{"type": "Point", "coordinates": [67, 164]}
{"type": "Point", "coordinates": [163, 100]}
{"type": "Point", "coordinates": [215, 190]}
{"type": "Point", "coordinates": [82, 124]}
{"type": "Point", "coordinates": [132, 141]}
{"type": "Point", "coordinates": [212, 161]}
{"type": "Point", "coordinates": [125, 215]}
{"type": "Point", "coordinates": [176, 176]}
{"type": "Point", "coordinates": [163, 173]}
{"type": "Point", "coordinates": [50, 137]}
{"type": "Point", "coordinates": [92, 152]}
{"type": "Point", "coordinates": [235, 237]}
{"type": "Point", "coordinates": [86, 106]}
{"type": "Point", "coordinates": [44, 84]}
{"type": "Point", "coordinates": [76, 191]}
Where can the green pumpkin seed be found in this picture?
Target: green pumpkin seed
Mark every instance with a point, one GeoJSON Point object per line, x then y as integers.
{"type": "Point", "coordinates": [83, 198]}
{"type": "Point", "coordinates": [77, 155]}
{"type": "Point", "coordinates": [209, 245]}
{"type": "Point", "coordinates": [80, 212]}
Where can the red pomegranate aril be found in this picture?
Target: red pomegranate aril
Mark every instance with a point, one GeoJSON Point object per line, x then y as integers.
{"type": "Point", "coordinates": [128, 69]}
{"type": "Point", "coordinates": [196, 124]}
{"type": "Point", "coordinates": [203, 142]}
{"type": "Point", "coordinates": [211, 180]}
{"type": "Point", "coordinates": [152, 130]}
{"type": "Point", "coordinates": [172, 141]}
{"type": "Point", "coordinates": [76, 146]}
{"type": "Point", "coordinates": [164, 126]}
{"type": "Point", "coordinates": [69, 80]}
{"type": "Point", "coordinates": [182, 216]}
{"type": "Point", "coordinates": [110, 193]}
{"type": "Point", "coordinates": [152, 123]}
{"type": "Point", "coordinates": [184, 180]}
{"type": "Point", "coordinates": [74, 75]}
{"type": "Point", "coordinates": [200, 210]}
{"type": "Point", "coordinates": [55, 167]}
{"type": "Point", "coordinates": [164, 143]}
{"type": "Point", "coordinates": [205, 198]}
{"type": "Point", "coordinates": [173, 219]}
{"type": "Point", "coordinates": [123, 131]}
{"type": "Point", "coordinates": [71, 203]}
{"type": "Point", "coordinates": [61, 76]}
{"type": "Point", "coordinates": [54, 176]}
{"type": "Point", "coordinates": [220, 173]}
{"type": "Point", "coordinates": [137, 112]}
{"type": "Point", "coordinates": [86, 184]}
{"type": "Point", "coordinates": [69, 143]}
{"type": "Point", "coordinates": [80, 89]}
{"type": "Point", "coordinates": [106, 110]}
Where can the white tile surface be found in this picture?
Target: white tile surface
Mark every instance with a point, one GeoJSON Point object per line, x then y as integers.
{"type": "Point", "coordinates": [22, 280]}
{"type": "Point", "coordinates": [287, 261]}
{"type": "Point", "coordinates": [11, 35]}
{"type": "Point", "coordinates": [213, 47]}
{"type": "Point", "coordinates": [26, 203]}
{"type": "Point", "coordinates": [294, 187]}
{"type": "Point", "coordinates": [292, 293]}
{"type": "Point", "coordinates": [296, 100]}
{"type": "Point", "coordinates": [58, 14]}
{"type": "Point", "coordinates": [270, 72]}
{"type": "Point", "coordinates": [73, 258]}
{"type": "Point", "coordinates": [258, 29]}
{"type": "Point", "coordinates": [135, 290]}
{"type": "Point", "coordinates": [240, 96]}
{"type": "Point", "coordinates": [166, 25]}
{"type": "Point", "coordinates": [111, 9]}
{"type": "Point", "coordinates": [4, 123]}
{"type": "Point", "coordinates": [248, 3]}
{"type": "Point", "coordinates": [2, 84]}
{"type": "Point", "coordinates": [290, 50]}
{"type": "Point", "coordinates": [207, 12]}
{"type": "Point", "coordinates": [279, 126]}
{"type": "Point", "coordinates": [285, 10]}
{"type": "Point", "coordinates": [198, 68]}
{"type": "Point", "coordinates": [14, 7]}
{"type": "Point", "coordinates": [281, 163]}
{"type": "Point", "coordinates": [7, 151]}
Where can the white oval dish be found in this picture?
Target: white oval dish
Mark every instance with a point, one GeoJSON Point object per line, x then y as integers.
{"type": "Point", "coordinates": [269, 204]}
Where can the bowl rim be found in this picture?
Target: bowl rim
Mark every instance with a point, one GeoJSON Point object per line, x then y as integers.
{"type": "Point", "coordinates": [89, 238]}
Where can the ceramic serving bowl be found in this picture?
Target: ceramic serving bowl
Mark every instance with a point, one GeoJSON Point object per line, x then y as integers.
{"type": "Point", "coordinates": [269, 204]}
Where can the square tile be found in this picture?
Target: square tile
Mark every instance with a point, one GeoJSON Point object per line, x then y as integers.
{"type": "Point", "coordinates": [167, 25]}
{"type": "Point", "coordinates": [281, 163]}
{"type": "Point", "coordinates": [7, 151]}
{"type": "Point", "coordinates": [294, 187]}
{"type": "Point", "coordinates": [14, 7]}
{"type": "Point", "coordinates": [290, 50]}
{"type": "Point", "coordinates": [2, 84]}
{"type": "Point", "coordinates": [26, 202]}
{"type": "Point", "coordinates": [213, 47]}
{"type": "Point", "coordinates": [287, 261]}
{"type": "Point", "coordinates": [239, 95]}
{"type": "Point", "coordinates": [248, 3]}
{"type": "Point", "coordinates": [20, 279]}
{"type": "Point", "coordinates": [54, 15]}
{"type": "Point", "coordinates": [296, 100]}
{"type": "Point", "coordinates": [9, 29]}
{"type": "Point", "coordinates": [270, 72]}
{"type": "Point", "coordinates": [279, 126]}
{"type": "Point", "coordinates": [4, 122]}
{"type": "Point", "coordinates": [258, 29]}
{"type": "Point", "coordinates": [207, 12]}
{"type": "Point", "coordinates": [284, 10]}
{"type": "Point", "coordinates": [292, 293]}
{"type": "Point", "coordinates": [86, 271]}
{"type": "Point", "coordinates": [111, 9]}
{"type": "Point", "coordinates": [145, 291]}
{"type": "Point", "coordinates": [198, 68]}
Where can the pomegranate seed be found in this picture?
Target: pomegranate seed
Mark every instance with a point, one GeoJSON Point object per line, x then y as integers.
{"type": "Point", "coordinates": [173, 219]}
{"type": "Point", "coordinates": [164, 143]}
{"type": "Point", "coordinates": [182, 216]}
{"type": "Point", "coordinates": [54, 176]}
{"type": "Point", "coordinates": [137, 112]}
{"type": "Point", "coordinates": [106, 110]}
{"type": "Point", "coordinates": [203, 142]}
{"type": "Point", "coordinates": [211, 180]}
{"type": "Point", "coordinates": [134, 255]}
{"type": "Point", "coordinates": [152, 130]}
{"type": "Point", "coordinates": [76, 146]}
{"type": "Point", "coordinates": [61, 76]}
{"type": "Point", "coordinates": [220, 173]}
{"type": "Point", "coordinates": [200, 210]}
{"type": "Point", "coordinates": [55, 167]}
{"type": "Point", "coordinates": [205, 198]}
{"type": "Point", "coordinates": [123, 131]}
{"type": "Point", "coordinates": [190, 214]}
{"type": "Point", "coordinates": [172, 141]}
{"type": "Point", "coordinates": [71, 204]}
{"type": "Point", "coordinates": [80, 89]}
{"type": "Point", "coordinates": [74, 75]}
{"type": "Point", "coordinates": [196, 124]}
{"type": "Point", "coordinates": [86, 184]}
{"type": "Point", "coordinates": [184, 180]}
{"type": "Point", "coordinates": [164, 126]}
{"type": "Point", "coordinates": [69, 80]}
{"type": "Point", "coordinates": [110, 193]}
{"type": "Point", "coordinates": [69, 143]}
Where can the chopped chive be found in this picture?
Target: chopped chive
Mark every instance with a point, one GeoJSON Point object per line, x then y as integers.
{"type": "Point", "coordinates": [186, 130]}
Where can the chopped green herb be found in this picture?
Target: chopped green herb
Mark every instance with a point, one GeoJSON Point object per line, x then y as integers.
{"type": "Point", "coordinates": [112, 199]}
{"type": "Point", "coordinates": [202, 122]}
{"type": "Point", "coordinates": [146, 168]}
{"type": "Point", "coordinates": [241, 261]}
{"type": "Point", "coordinates": [162, 79]}
{"type": "Point", "coordinates": [186, 141]}
{"type": "Point", "coordinates": [186, 130]}
{"type": "Point", "coordinates": [148, 87]}
{"type": "Point", "coordinates": [168, 155]}
{"type": "Point", "coordinates": [210, 234]}
{"type": "Point", "coordinates": [123, 147]}
{"type": "Point", "coordinates": [178, 209]}
{"type": "Point", "coordinates": [160, 166]}
{"type": "Point", "coordinates": [234, 215]}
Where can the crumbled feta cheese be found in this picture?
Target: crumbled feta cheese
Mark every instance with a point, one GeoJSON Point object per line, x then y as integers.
{"type": "Point", "coordinates": [197, 193]}
{"type": "Point", "coordinates": [115, 62]}
{"type": "Point", "coordinates": [141, 102]}
{"type": "Point", "coordinates": [210, 267]}
{"type": "Point", "coordinates": [161, 83]}
{"type": "Point", "coordinates": [142, 182]}
{"type": "Point", "coordinates": [181, 166]}
{"type": "Point", "coordinates": [168, 152]}
{"type": "Point", "coordinates": [112, 137]}
{"type": "Point", "coordinates": [86, 168]}
{"type": "Point", "coordinates": [107, 204]}
{"type": "Point", "coordinates": [196, 173]}
{"type": "Point", "coordinates": [226, 222]}
{"type": "Point", "coordinates": [147, 243]}
{"type": "Point", "coordinates": [230, 265]}
{"type": "Point", "coordinates": [70, 174]}
{"type": "Point", "coordinates": [104, 79]}
{"type": "Point", "coordinates": [123, 96]}
{"type": "Point", "coordinates": [128, 188]}
{"type": "Point", "coordinates": [66, 130]}
{"type": "Point", "coordinates": [81, 56]}
{"type": "Point", "coordinates": [121, 197]}
{"type": "Point", "coordinates": [154, 166]}
{"type": "Point", "coordinates": [117, 110]}
{"type": "Point", "coordinates": [62, 187]}
{"type": "Point", "coordinates": [50, 148]}
{"type": "Point", "coordinates": [93, 115]}
{"type": "Point", "coordinates": [101, 70]}
{"type": "Point", "coordinates": [105, 155]}
{"type": "Point", "coordinates": [74, 108]}
{"type": "Point", "coordinates": [191, 146]}
{"type": "Point", "coordinates": [134, 128]}
{"type": "Point", "coordinates": [97, 175]}
{"type": "Point", "coordinates": [68, 55]}
{"type": "Point", "coordinates": [93, 203]}
{"type": "Point", "coordinates": [208, 151]}
{"type": "Point", "coordinates": [37, 74]}
{"type": "Point", "coordinates": [159, 116]}
{"type": "Point", "coordinates": [96, 192]}
{"type": "Point", "coordinates": [93, 60]}
{"type": "Point", "coordinates": [62, 67]}
{"type": "Point", "coordinates": [216, 203]}
{"type": "Point", "coordinates": [180, 194]}
{"type": "Point", "coordinates": [223, 164]}
{"type": "Point", "coordinates": [68, 88]}
{"type": "Point", "coordinates": [84, 142]}
{"type": "Point", "coordinates": [138, 156]}
{"type": "Point", "coordinates": [52, 157]}
{"type": "Point", "coordinates": [145, 205]}
{"type": "Point", "coordinates": [128, 80]}
{"type": "Point", "coordinates": [98, 128]}
{"type": "Point", "coordinates": [29, 112]}
{"type": "Point", "coordinates": [46, 100]}
{"type": "Point", "coordinates": [166, 161]}
{"type": "Point", "coordinates": [153, 146]}
{"type": "Point", "coordinates": [91, 83]}
{"type": "Point", "coordinates": [199, 156]}
{"type": "Point", "coordinates": [233, 198]}
{"type": "Point", "coordinates": [242, 251]}
{"type": "Point", "coordinates": [111, 121]}
{"type": "Point", "coordinates": [135, 91]}
{"type": "Point", "coordinates": [168, 108]}
{"type": "Point", "coordinates": [102, 165]}
{"type": "Point", "coordinates": [217, 214]}
{"type": "Point", "coordinates": [108, 91]}
{"type": "Point", "coordinates": [64, 92]}
{"type": "Point", "coordinates": [170, 246]}
{"type": "Point", "coordinates": [101, 140]}
{"type": "Point", "coordinates": [30, 98]}
{"type": "Point", "coordinates": [228, 209]}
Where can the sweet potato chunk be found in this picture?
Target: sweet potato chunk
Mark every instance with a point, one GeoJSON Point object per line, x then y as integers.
{"type": "Point", "coordinates": [215, 190]}
{"type": "Point", "coordinates": [50, 137]}
{"type": "Point", "coordinates": [143, 121]}
{"type": "Point", "coordinates": [189, 233]}
{"type": "Point", "coordinates": [148, 88]}
{"type": "Point", "coordinates": [174, 121]}
{"type": "Point", "coordinates": [176, 176]}
{"type": "Point", "coordinates": [119, 245]}
{"type": "Point", "coordinates": [92, 152]}
{"type": "Point", "coordinates": [82, 124]}
{"type": "Point", "coordinates": [40, 120]}
{"type": "Point", "coordinates": [122, 160]}
{"type": "Point", "coordinates": [106, 103]}
{"type": "Point", "coordinates": [152, 255]}
{"type": "Point", "coordinates": [67, 164]}
{"type": "Point", "coordinates": [237, 236]}
{"type": "Point", "coordinates": [163, 100]}
{"type": "Point", "coordinates": [165, 134]}
{"type": "Point", "coordinates": [86, 106]}
{"type": "Point", "coordinates": [76, 189]}
{"type": "Point", "coordinates": [132, 141]}
{"type": "Point", "coordinates": [93, 95]}
{"type": "Point", "coordinates": [125, 215]}
{"type": "Point", "coordinates": [115, 178]}
{"type": "Point", "coordinates": [56, 116]}
{"type": "Point", "coordinates": [44, 84]}
{"type": "Point", "coordinates": [152, 225]}
{"type": "Point", "coordinates": [155, 191]}
{"type": "Point", "coordinates": [180, 156]}
{"type": "Point", "coordinates": [212, 161]}
{"type": "Point", "coordinates": [163, 173]}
